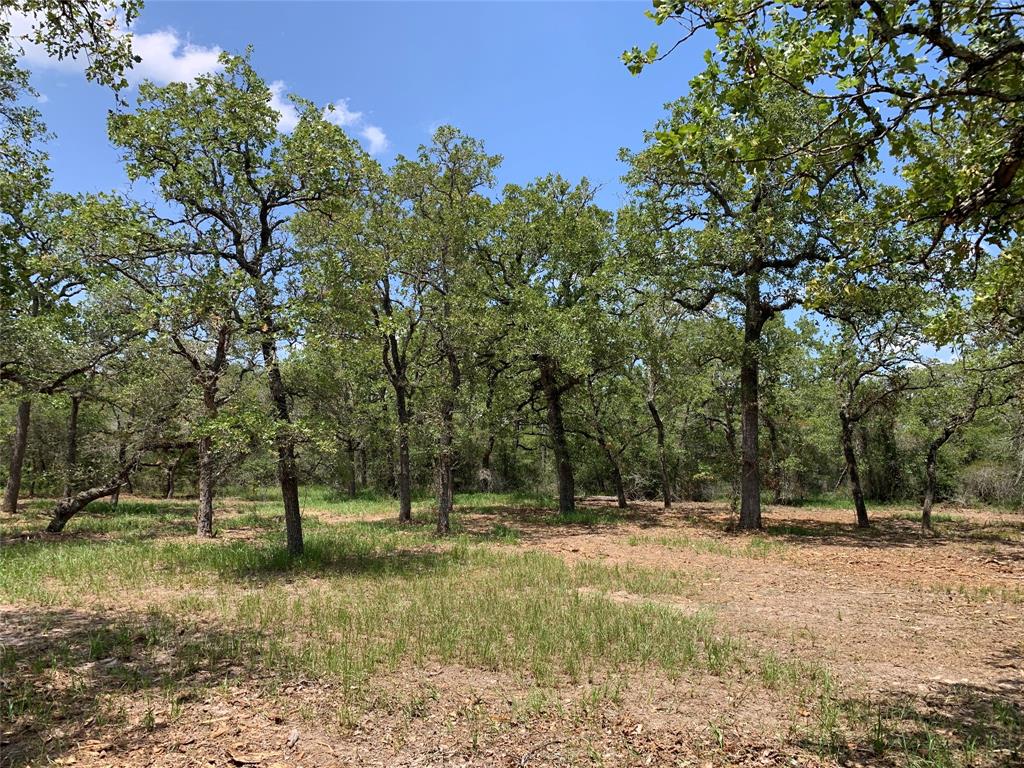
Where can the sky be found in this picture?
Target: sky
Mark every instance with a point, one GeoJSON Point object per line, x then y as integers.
{"type": "Point", "coordinates": [541, 83]}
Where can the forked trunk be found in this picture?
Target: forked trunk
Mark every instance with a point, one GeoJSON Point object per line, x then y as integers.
{"type": "Point", "coordinates": [18, 444]}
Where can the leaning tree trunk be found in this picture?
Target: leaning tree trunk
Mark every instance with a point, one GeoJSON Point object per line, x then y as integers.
{"type": "Point", "coordinates": [852, 471]}
{"type": "Point", "coordinates": [18, 444]}
{"type": "Point", "coordinates": [559, 444]}
{"type": "Point", "coordinates": [287, 472]}
{"type": "Point", "coordinates": [68, 507]}
{"type": "Point", "coordinates": [750, 471]}
{"type": "Point", "coordinates": [659, 427]}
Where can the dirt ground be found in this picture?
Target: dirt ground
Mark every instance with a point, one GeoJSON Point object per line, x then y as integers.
{"type": "Point", "coordinates": [930, 625]}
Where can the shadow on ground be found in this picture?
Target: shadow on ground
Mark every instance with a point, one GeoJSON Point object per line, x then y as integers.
{"type": "Point", "coordinates": [60, 667]}
{"type": "Point", "coordinates": [953, 724]}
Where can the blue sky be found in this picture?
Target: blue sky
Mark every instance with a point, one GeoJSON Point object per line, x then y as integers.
{"type": "Point", "coordinates": [540, 82]}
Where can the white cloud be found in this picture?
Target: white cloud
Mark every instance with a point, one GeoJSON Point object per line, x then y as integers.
{"type": "Point", "coordinates": [375, 138]}
{"type": "Point", "coordinates": [166, 57]}
{"type": "Point", "coordinates": [288, 115]}
{"type": "Point", "coordinates": [340, 114]}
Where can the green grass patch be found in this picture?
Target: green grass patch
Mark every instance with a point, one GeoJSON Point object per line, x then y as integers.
{"type": "Point", "coordinates": [754, 546]}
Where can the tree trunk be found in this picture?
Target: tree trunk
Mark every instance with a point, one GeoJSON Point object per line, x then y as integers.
{"type": "Point", "coordinates": [930, 482]}
{"type": "Point", "coordinates": [931, 476]}
{"type": "Point", "coordinates": [620, 488]}
{"type": "Point", "coordinates": [350, 448]}
{"type": "Point", "coordinates": [71, 452]}
{"type": "Point", "coordinates": [659, 426]}
{"type": "Point", "coordinates": [445, 480]}
{"type": "Point", "coordinates": [287, 471]}
{"type": "Point", "coordinates": [404, 465]}
{"type": "Point", "coordinates": [363, 470]}
{"type": "Point", "coordinates": [18, 444]}
{"type": "Point", "coordinates": [172, 476]}
{"type": "Point", "coordinates": [750, 471]}
{"type": "Point", "coordinates": [485, 479]}
{"type": "Point", "coordinates": [204, 511]}
{"type": "Point", "coordinates": [446, 448]}
{"type": "Point", "coordinates": [559, 444]}
{"type": "Point", "coordinates": [70, 506]}
{"type": "Point", "coordinates": [852, 472]}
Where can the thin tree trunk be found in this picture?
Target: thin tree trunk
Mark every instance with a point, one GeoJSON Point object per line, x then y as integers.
{"type": "Point", "coordinates": [930, 483]}
{"type": "Point", "coordinates": [170, 474]}
{"type": "Point", "coordinates": [362, 467]}
{"type": "Point", "coordinates": [485, 478]}
{"type": "Point", "coordinates": [115, 496]}
{"type": "Point", "coordinates": [350, 448]}
{"type": "Point", "coordinates": [620, 488]}
{"type": "Point", "coordinates": [391, 456]}
{"type": "Point", "coordinates": [659, 427]}
{"type": "Point", "coordinates": [750, 471]}
{"type": "Point", "coordinates": [559, 444]}
{"type": "Point", "coordinates": [287, 471]}
{"type": "Point", "coordinates": [71, 452]}
{"type": "Point", "coordinates": [172, 477]}
{"type": "Point", "coordinates": [18, 444]}
{"type": "Point", "coordinates": [446, 448]}
{"type": "Point", "coordinates": [852, 472]}
{"type": "Point", "coordinates": [445, 480]}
